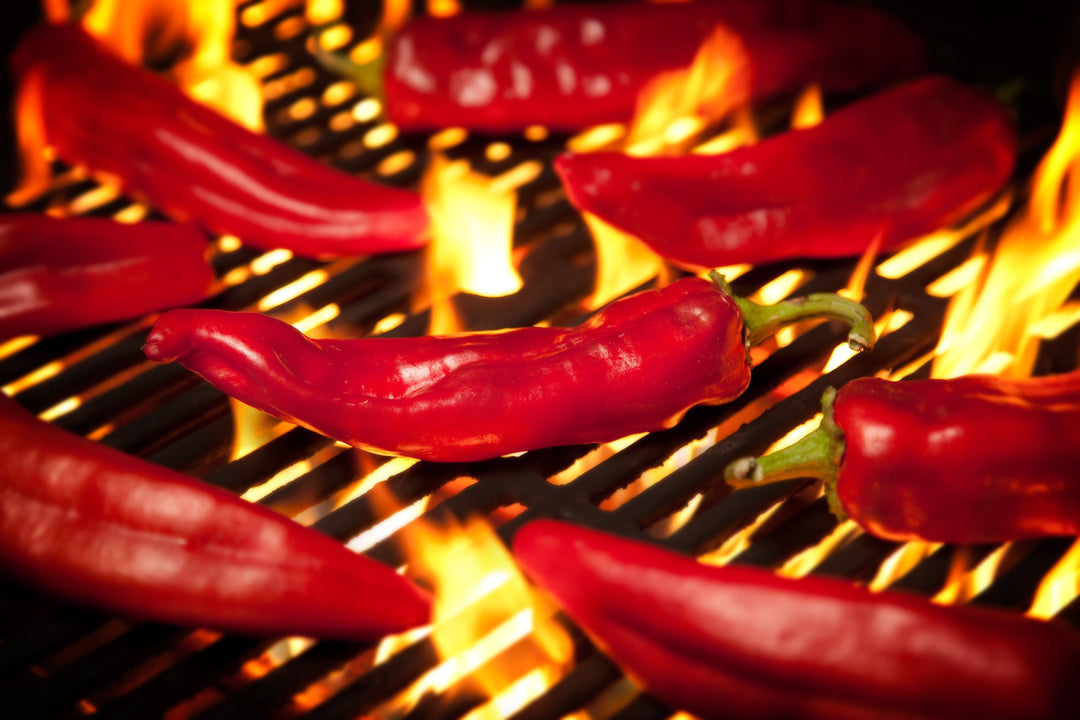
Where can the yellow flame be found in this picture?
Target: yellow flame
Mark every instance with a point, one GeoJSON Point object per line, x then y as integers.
{"type": "Point", "coordinates": [204, 29]}
{"type": "Point", "coordinates": [472, 227]}
{"type": "Point", "coordinates": [622, 262]}
{"type": "Point", "coordinates": [716, 82]}
{"type": "Point", "coordinates": [965, 582]}
{"type": "Point", "coordinates": [1059, 587]}
{"type": "Point", "coordinates": [906, 557]}
{"type": "Point", "coordinates": [805, 561]}
{"type": "Point", "coordinates": [489, 624]}
{"type": "Point", "coordinates": [1029, 275]}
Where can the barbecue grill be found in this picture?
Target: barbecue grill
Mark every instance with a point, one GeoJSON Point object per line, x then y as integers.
{"type": "Point", "coordinates": [58, 660]}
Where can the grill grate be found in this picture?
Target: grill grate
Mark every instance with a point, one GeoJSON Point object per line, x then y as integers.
{"type": "Point", "coordinates": [61, 661]}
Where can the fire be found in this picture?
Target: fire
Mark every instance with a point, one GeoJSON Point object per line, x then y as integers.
{"type": "Point", "coordinates": [140, 31]}
{"type": "Point", "coordinates": [809, 108]}
{"type": "Point", "coordinates": [1028, 276]}
{"type": "Point", "coordinates": [622, 262]}
{"type": "Point", "coordinates": [490, 626]}
{"type": "Point", "coordinates": [471, 248]}
{"type": "Point", "coordinates": [676, 104]}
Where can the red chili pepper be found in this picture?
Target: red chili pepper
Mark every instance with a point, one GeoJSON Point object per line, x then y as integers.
{"type": "Point", "coordinates": [636, 366]}
{"type": "Point", "coordinates": [972, 459]}
{"type": "Point", "coordinates": [62, 274]}
{"type": "Point", "coordinates": [574, 65]}
{"type": "Point", "coordinates": [97, 527]}
{"type": "Point", "coordinates": [892, 167]}
{"type": "Point", "coordinates": [741, 643]}
{"type": "Point", "coordinates": [195, 165]}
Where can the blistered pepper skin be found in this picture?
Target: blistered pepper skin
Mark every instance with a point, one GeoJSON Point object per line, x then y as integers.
{"type": "Point", "coordinates": [59, 274]}
{"type": "Point", "coordinates": [636, 366]}
{"type": "Point", "coordinates": [972, 459]}
{"type": "Point", "coordinates": [572, 66]}
{"type": "Point", "coordinates": [194, 165]}
{"type": "Point", "coordinates": [101, 528]}
{"type": "Point", "coordinates": [742, 643]}
{"type": "Point", "coordinates": [884, 170]}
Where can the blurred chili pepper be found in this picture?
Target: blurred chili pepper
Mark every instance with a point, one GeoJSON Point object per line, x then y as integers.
{"type": "Point", "coordinates": [636, 366]}
{"type": "Point", "coordinates": [741, 643]}
{"type": "Point", "coordinates": [889, 168]}
{"type": "Point", "coordinates": [571, 66]}
{"type": "Point", "coordinates": [97, 527]}
{"type": "Point", "coordinates": [197, 166]}
{"type": "Point", "coordinates": [59, 274]}
{"type": "Point", "coordinates": [972, 459]}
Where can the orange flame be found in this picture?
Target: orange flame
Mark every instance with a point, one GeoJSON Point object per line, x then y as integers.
{"type": "Point", "coordinates": [139, 30]}
{"type": "Point", "coordinates": [1029, 276]}
{"type": "Point", "coordinates": [809, 108]}
{"type": "Point", "coordinates": [472, 227]}
{"type": "Point", "coordinates": [676, 104]}
{"type": "Point", "coordinates": [490, 626]}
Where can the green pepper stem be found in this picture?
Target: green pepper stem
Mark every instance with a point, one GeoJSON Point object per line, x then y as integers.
{"type": "Point", "coordinates": [762, 321]}
{"type": "Point", "coordinates": [817, 455]}
{"type": "Point", "coordinates": [368, 76]}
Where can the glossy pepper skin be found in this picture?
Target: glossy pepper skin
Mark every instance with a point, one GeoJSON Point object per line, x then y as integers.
{"type": "Point", "coordinates": [59, 274]}
{"type": "Point", "coordinates": [193, 164]}
{"type": "Point", "coordinates": [971, 459]}
{"type": "Point", "coordinates": [636, 366]}
{"type": "Point", "coordinates": [741, 643]}
{"type": "Point", "coordinates": [571, 66]}
{"type": "Point", "coordinates": [101, 528]}
{"type": "Point", "coordinates": [895, 166]}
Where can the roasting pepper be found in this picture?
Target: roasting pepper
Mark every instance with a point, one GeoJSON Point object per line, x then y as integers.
{"type": "Point", "coordinates": [972, 459]}
{"type": "Point", "coordinates": [59, 274]}
{"type": "Point", "coordinates": [740, 643]}
{"type": "Point", "coordinates": [886, 169]}
{"type": "Point", "coordinates": [101, 528]}
{"type": "Point", "coordinates": [571, 66]}
{"type": "Point", "coordinates": [195, 165]}
{"type": "Point", "coordinates": [635, 366]}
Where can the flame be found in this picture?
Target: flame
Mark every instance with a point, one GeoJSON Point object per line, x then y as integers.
{"type": "Point", "coordinates": [1060, 586]}
{"type": "Point", "coordinates": [1027, 277]}
{"type": "Point", "coordinates": [472, 227]}
{"type": "Point", "coordinates": [965, 582]}
{"type": "Point", "coordinates": [622, 262]}
{"type": "Point", "coordinates": [204, 28]}
{"type": "Point", "coordinates": [906, 557]}
{"type": "Point", "coordinates": [490, 626]}
{"type": "Point", "coordinates": [676, 105]}
{"type": "Point", "coordinates": [801, 564]}
{"type": "Point", "coordinates": [809, 108]}
{"type": "Point", "coordinates": [34, 153]}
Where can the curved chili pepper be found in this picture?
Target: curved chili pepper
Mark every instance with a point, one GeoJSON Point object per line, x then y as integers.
{"type": "Point", "coordinates": [972, 459]}
{"type": "Point", "coordinates": [101, 528]}
{"type": "Point", "coordinates": [197, 166]}
{"type": "Point", "coordinates": [571, 66]}
{"type": "Point", "coordinates": [741, 643]}
{"type": "Point", "coordinates": [59, 274]}
{"type": "Point", "coordinates": [889, 168]}
{"type": "Point", "coordinates": [636, 366]}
